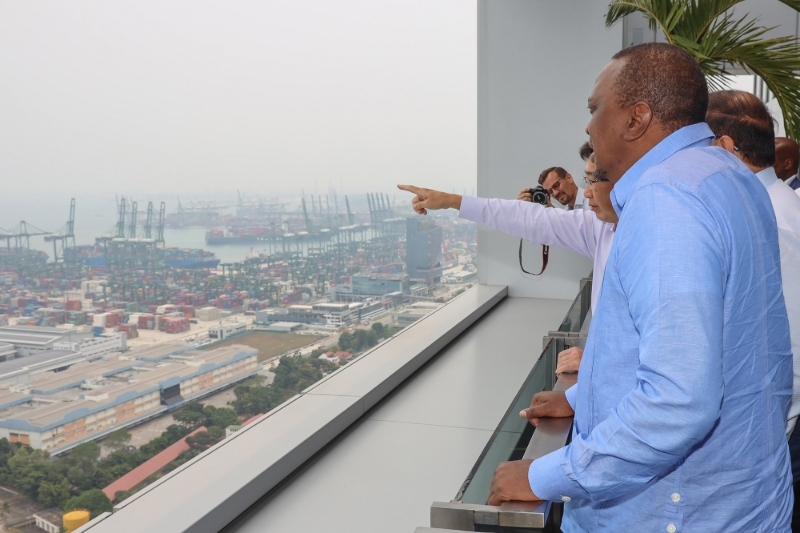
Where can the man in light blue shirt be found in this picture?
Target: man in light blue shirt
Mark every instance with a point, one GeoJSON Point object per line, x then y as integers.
{"type": "Point", "coordinates": [686, 379]}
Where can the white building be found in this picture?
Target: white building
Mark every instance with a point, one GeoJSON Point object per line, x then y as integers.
{"type": "Point", "coordinates": [223, 331]}
{"type": "Point", "coordinates": [93, 347]}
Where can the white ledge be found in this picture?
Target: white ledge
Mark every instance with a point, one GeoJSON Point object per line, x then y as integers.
{"type": "Point", "coordinates": [207, 493]}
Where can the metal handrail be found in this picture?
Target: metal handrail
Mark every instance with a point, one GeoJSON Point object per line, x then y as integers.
{"type": "Point", "coordinates": [550, 435]}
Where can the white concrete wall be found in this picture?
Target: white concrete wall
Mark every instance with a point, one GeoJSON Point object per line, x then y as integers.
{"type": "Point", "coordinates": [537, 61]}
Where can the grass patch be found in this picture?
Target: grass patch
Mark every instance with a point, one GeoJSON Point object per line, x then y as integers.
{"type": "Point", "coordinates": [267, 343]}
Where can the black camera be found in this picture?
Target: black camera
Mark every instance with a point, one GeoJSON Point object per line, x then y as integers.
{"type": "Point", "coordinates": [539, 195]}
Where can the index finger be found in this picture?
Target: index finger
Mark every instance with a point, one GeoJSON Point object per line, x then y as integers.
{"type": "Point", "coordinates": [410, 188]}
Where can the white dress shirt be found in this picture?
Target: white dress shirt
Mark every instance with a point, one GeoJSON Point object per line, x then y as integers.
{"type": "Point", "coordinates": [581, 202]}
{"type": "Point", "coordinates": [577, 229]}
{"type": "Point", "coordinates": [787, 212]}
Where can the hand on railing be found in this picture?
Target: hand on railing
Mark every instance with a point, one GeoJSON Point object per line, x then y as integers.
{"type": "Point", "coordinates": [569, 361]}
{"type": "Point", "coordinates": [547, 404]}
{"type": "Point", "coordinates": [510, 483]}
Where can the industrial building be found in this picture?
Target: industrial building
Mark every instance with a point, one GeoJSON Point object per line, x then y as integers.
{"type": "Point", "coordinates": [7, 351]}
{"type": "Point", "coordinates": [28, 340]}
{"type": "Point", "coordinates": [371, 286]}
{"type": "Point", "coordinates": [223, 331]}
{"type": "Point", "coordinates": [56, 411]}
{"type": "Point", "coordinates": [20, 370]}
{"type": "Point", "coordinates": [423, 250]}
{"type": "Point", "coordinates": [92, 347]}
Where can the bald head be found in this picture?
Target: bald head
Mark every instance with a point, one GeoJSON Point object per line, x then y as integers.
{"type": "Point", "coordinates": [787, 157]}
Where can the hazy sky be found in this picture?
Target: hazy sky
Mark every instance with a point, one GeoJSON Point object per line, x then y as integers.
{"type": "Point", "coordinates": [193, 97]}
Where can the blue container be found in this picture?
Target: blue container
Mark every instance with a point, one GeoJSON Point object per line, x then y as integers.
{"type": "Point", "coordinates": [97, 331]}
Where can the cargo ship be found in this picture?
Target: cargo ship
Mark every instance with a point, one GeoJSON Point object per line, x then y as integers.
{"type": "Point", "coordinates": [246, 235]}
{"type": "Point", "coordinates": [190, 258]}
{"type": "Point", "coordinates": [18, 255]}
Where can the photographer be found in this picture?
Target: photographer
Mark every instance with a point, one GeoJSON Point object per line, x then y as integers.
{"type": "Point", "coordinates": [558, 184]}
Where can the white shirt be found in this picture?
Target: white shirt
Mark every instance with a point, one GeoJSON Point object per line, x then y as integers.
{"type": "Point", "coordinates": [577, 230]}
{"type": "Point", "coordinates": [788, 181]}
{"type": "Point", "coordinates": [581, 202]}
{"type": "Point", "coordinates": [787, 212]}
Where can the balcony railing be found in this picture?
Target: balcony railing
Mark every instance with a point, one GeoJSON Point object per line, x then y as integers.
{"type": "Point", "coordinates": [515, 438]}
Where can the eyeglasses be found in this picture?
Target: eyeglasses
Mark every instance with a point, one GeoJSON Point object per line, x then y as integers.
{"type": "Point", "coordinates": [556, 186]}
{"type": "Point", "coordinates": [589, 181]}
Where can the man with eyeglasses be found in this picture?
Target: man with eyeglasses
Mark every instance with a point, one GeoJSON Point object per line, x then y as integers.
{"type": "Point", "coordinates": [560, 185]}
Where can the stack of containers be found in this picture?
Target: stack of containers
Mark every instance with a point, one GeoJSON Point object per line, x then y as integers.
{"type": "Point", "coordinates": [176, 324]}
{"type": "Point", "coordinates": [146, 321]}
{"type": "Point", "coordinates": [131, 331]}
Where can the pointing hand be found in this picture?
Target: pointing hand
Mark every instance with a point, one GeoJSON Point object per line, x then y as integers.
{"type": "Point", "coordinates": [425, 199]}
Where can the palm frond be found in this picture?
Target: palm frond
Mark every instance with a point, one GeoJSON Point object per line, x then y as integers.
{"type": "Point", "coordinates": [717, 40]}
{"type": "Point", "coordinates": [794, 4]}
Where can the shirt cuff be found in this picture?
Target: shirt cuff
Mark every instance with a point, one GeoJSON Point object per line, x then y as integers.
{"type": "Point", "coordinates": [471, 208]}
{"type": "Point", "coordinates": [572, 396]}
{"type": "Point", "coordinates": [548, 481]}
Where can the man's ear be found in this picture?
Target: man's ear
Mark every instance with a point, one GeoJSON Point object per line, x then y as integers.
{"type": "Point", "coordinates": [639, 120]}
{"type": "Point", "coordinates": [727, 143]}
{"type": "Point", "coordinates": [570, 177]}
{"type": "Point", "coordinates": [788, 163]}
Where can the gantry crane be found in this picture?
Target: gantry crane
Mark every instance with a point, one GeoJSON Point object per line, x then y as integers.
{"type": "Point", "coordinates": [64, 239]}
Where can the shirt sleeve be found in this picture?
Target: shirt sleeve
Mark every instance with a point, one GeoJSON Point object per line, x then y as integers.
{"type": "Point", "coordinates": [672, 269]}
{"type": "Point", "coordinates": [573, 230]}
{"type": "Point", "coordinates": [571, 394]}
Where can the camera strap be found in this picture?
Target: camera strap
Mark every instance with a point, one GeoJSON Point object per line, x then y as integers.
{"type": "Point", "coordinates": [545, 257]}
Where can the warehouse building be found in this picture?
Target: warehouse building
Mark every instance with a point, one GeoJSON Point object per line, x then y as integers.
{"type": "Point", "coordinates": [7, 351]}
{"type": "Point", "coordinates": [28, 340]}
{"type": "Point", "coordinates": [57, 411]}
{"type": "Point", "coordinates": [20, 370]}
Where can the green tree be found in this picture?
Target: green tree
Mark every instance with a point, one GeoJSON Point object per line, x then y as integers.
{"type": "Point", "coordinates": [5, 510]}
{"type": "Point", "coordinates": [85, 455]}
{"type": "Point", "coordinates": [221, 417]}
{"type": "Point", "coordinates": [377, 327]}
{"type": "Point", "coordinates": [28, 468]}
{"type": "Point", "coordinates": [206, 439]}
{"type": "Point", "coordinates": [190, 417]}
{"type": "Point", "coordinates": [117, 439]}
{"type": "Point", "coordinates": [708, 30]}
{"type": "Point", "coordinates": [346, 341]}
{"type": "Point", "coordinates": [54, 494]}
{"type": "Point", "coordinates": [95, 501]}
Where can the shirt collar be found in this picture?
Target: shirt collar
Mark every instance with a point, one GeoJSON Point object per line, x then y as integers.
{"type": "Point", "coordinates": [579, 199]}
{"type": "Point", "coordinates": [767, 177]}
{"type": "Point", "coordinates": [676, 141]}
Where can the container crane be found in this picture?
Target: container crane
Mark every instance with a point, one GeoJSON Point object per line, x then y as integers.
{"type": "Point", "coordinates": [162, 215]}
{"type": "Point", "coordinates": [350, 219]}
{"type": "Point", "coordinates": [134, 215]}
{"type": "Point", "coordinates": [65, 238]}
{"type": "Point", "coordinates": [22, 234]}
{"type": "Point", "coordinates": [148, 225]}
{"type": "Point", "coordinates": [122, 215]}
{"type": "Point", "coordinates": [305, 215]}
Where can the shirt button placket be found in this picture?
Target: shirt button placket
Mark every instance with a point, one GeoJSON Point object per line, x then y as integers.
{"type": "Point", "coordinates": [671, 528]}
{"type": "Point", "coordinates": [675, 497]}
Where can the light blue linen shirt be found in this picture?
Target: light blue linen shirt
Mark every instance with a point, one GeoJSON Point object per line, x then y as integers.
{"type": "Point", "coordinates": [686, 378]}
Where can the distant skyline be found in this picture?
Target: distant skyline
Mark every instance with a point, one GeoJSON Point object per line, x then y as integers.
{"type": "Point", "coordinates": [192, 98]}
